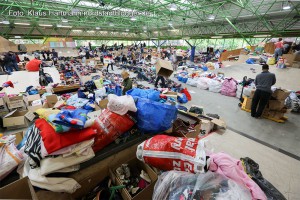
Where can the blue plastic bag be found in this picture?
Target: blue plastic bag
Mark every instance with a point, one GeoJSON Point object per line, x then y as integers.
{"type": "Point", "coordinates": [179, 78]}
{"type": "Point", "coordinates": [182, 98]}
{"type": "Point", "coordinates": [154, 117]}
{"type": "Point", "coordinates": [118, 90]}
{"type": "Point", "coordinates": [142, 93]}
{"type": "Point", "coordinates": [184, 80]}
{"type": "Point", "coordinates": [204, 68]}
{"type": "Point", "coordinates": [250, 61]}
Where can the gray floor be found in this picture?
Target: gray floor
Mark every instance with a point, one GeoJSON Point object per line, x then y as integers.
{"type": "Point", "coordinates": [284, 137]}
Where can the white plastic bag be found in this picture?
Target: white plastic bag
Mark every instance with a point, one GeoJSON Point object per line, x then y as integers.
{"type": "Point", "coordinates": [10, 158]}
{"type": "Point", "coordinates": [121, 105]}
{"type": "Point", "coordinates": [214, 86]}
{"type": "Point", "coordinates": [182, 185]}
{"type": "Point", "coordinates": [192, 82]}
{"type": "Point", "coordinates": [202, 83]}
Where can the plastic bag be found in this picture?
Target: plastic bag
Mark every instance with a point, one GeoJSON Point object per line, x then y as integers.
{"type": "Point", "coordinates": [182, 98]}
{"type": "Point", "coordinates": [271, 61]}
{"type": "Point", "coordinates": [252, 169]}
{"type": "Point", "coordinates": [229, 87]}
{"type": "Point", "coordinates": [154, 117]}
{"type": "Point", "coordinates": [147, 94]}
{"type": "Point", "coordinates": [293, 102]}
{"type": "Point", "coordinates": [182, 185]}
{"type": "Point", "coordinates": [109, 127]}
{"type": "Point", "coordinates": [118, 90]}
{"type": "Point", "coordinates": [173, 153]}
{"type": "Point", "coordinates": [184, 79]}
{"type": "Point", "coordinates": [202, 83]}
{"type": "Point", "coordinates": [192, 82]}
{"type": "Point", "coordinates": [121, 105]}
{"type": "Point", "coordinates": [250, 61]}
{"type": "Point", "coordinates": [187, 94]}
{"type": "Point", "coordinates": [214, 86]}
{"type": "Point", "coordinates": [10, 158]}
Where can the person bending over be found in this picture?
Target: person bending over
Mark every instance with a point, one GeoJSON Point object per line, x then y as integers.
{"type": "Point", "coordinates": [127, 83]}
{"type": "Point", "coordinates": [263, 82]}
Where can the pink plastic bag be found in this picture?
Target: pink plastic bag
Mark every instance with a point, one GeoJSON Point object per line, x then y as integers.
{"type": "Point", "coordinates": [229, 87]}
{"type": "Point", "coordinates": [173, 153]}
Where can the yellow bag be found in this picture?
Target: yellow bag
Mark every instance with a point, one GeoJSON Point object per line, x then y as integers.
{"type": "Point", "coordinates": [271, 61]}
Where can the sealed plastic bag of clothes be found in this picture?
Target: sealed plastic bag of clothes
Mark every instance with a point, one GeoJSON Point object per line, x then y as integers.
{"type": "Point", "coordinates": [147, 94]}
{"type": "Point", "coordinates": [250, 61]}
{"type": "Point", "coordinates": [182, 98]}
{"type": "Point", "coordinates": [154, 117]}
{"type": "Point", "coordinates": [293, 102]}
{"type": "Point", "coordinates": [192, 82]}
{"type": "Point", "coordinates": [10, 158]}
{"type": "Point", "coordinates": [121, 104]}
{"type": "Point", "coordinates": [109, 127]}
{"type": "Point", "coordinates": [202, 83]}
{"type": "Point", "coordinates": [252, 169]}
{"type": "Point", "coordinates": [229, 87]}
{"type": "Point", "coordinates": [173, 185]}
{"type": "Point", "coordinates": [173, 153]}
{"type": "Point", "coordinates": [214, 86]}
{"type": "Point", "coordinates": [187, 94]}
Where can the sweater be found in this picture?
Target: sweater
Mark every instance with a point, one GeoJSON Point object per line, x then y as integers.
{"type": "Point", "coordinates": [264, 81]}
{"type": "Point", "coordinates": [127, 83]}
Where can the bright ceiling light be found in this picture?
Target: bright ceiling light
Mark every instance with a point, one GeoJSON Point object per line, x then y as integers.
{"type": "Point", "coordinates": [58, 25]}
{"type": "Point", "coordinates": [170, 23]}
{"type": "Point", "coordinates": [173, 7]}
{"type": "Point", "coordinates": [77, 30]}
{"type": "Point", "coordinates": [133, 18]}
{"type": "Point", "coordinates": [61, 26]}
{"type": "Point", "coordinates": [21, 23]}
{"type": "Point", "coordinates": [216, 37]}
{"type": "Point", "coordinates": [64, 20]}
{"type": "Point", "coordinates": [145, 31]}
{"type": "Point", "coordinates": [211, 17]}
{"type": "Point", "coordinates": [261, 36]}
{"type": "Point", "coordinates": [111, 24]}
{"type": "Point", "coordinates": [127, 29]}
{"type": "Point", "coordinates": [97, 28]}
{"type": "Point", "coordinates": [17, 37]}
{"type": "Point", "coordinates": [91, 31]}
{"type": "Point", "coordinates": [5, 22]}
{"type": "Point", "coordinates": [46, 25]}
{"type": "Point", "coordinates": [144, 27]}
{"type": "Point", "coordinates": [155, 31]}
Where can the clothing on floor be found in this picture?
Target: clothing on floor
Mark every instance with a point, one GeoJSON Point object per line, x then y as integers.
{"type": "Point", "coordinates": [260, 99]}
{"type": "Point", "coordinates": [224, 164]}
{"type": "Point", "coordinates": [264, 81]}
{"type": "Point", "coordinates": [72, 118]}
{"type": "Point", "coordinates": [33, 147]}
{"type": "Point", "coordinates": [54, 141]}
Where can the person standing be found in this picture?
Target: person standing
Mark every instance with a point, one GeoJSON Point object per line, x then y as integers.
{"type": "Point", "coordinates": [110, 62]}
{"type": "Point", "coordinates": [54, 56]}
{"type": "Point", "coordinates": [127, 82]}
{"type": "Point", "coordinates": [263, 83]}
{"type": "Point", "coordinates": [278, 49]}
{"type": "Point", "coordinates": [90, 46]}
{"type": "Point", "coordinates": [162, 79]}
{"type": "Point", "coordinates": [14, 60]}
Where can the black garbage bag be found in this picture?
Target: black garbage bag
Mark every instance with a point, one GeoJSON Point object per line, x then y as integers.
{"type": "Point", "coordinates": [252, 169]}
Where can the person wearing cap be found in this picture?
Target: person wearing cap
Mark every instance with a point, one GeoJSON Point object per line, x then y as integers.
{"type": "Point", "coordinates": [127, 83]}
{"type": "Point", "coordinates": [263, 83]}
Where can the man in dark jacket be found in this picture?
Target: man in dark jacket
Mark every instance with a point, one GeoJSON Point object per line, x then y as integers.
{"type": "Point", "coordinates": [263, 82]}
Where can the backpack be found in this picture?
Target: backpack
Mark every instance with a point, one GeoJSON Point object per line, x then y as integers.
{"type": "Point", "coordinates": [44, 78]}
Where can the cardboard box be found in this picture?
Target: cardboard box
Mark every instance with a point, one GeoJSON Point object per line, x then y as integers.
{"type": "Point", "coordinates": [51, 100]}
{"type": "Point", "coordinates": [135, 167]}
{"type": "Point", "coordinates": [252, 94]}
{"type": "Point", "coordinates": [20, 189]}
{"type": "Point", "coordinates": [192, 120]}
{"type": "Point", "coordinates": [33, 102]}
{"type": "Point", "coordinates": [103, 103]}
{"type": "Point", "coordinates": [278, 115]}
{"type": "Point", "coordinates": [15, 119]}
{"type": "Point", "coordinates": [171, 94]}
{"type": "Point", "coordinates": [280, 94]}
{"type": "Point", "coordinates": [164, 68]}
{"type": "Point", "coordinates": [276, 105]}
{"type": "Point", "coordinates": [15, 102]}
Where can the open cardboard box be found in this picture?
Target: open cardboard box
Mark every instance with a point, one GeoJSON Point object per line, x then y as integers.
{"type": "Point", "coordinates": [33, 102]}
{"type": "Point", "coordinates": [14, 102]}
{"type": "Point", "coordinates": [164, 68]}
{"type": "Point", "coordinates": [20, 189]}
{"type": "Point", "coordinates": [135, 168]}
{"type": "Point", "coordinates": [51, 100]}
{"type": "Point", "coordinates": [17, 119]}
{"type": "Point", "coordinates": [103, 103]}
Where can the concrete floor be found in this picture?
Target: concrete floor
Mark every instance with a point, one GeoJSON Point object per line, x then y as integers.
{"type": "Point", "coordinates": [283, 137]}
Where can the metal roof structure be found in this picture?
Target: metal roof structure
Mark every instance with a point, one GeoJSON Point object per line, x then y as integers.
{"type": "Point", "coordinates": [149, 19]}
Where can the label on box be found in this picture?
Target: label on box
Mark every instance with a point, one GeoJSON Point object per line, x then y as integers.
{"type": "Point", "coordinates": [30, 116]}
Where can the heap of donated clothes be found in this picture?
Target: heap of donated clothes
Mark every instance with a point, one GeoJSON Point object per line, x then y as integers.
{"type": "Point", "coordinates": [64, 137]}
{"type": "Point", "coordinates": [192, 171]}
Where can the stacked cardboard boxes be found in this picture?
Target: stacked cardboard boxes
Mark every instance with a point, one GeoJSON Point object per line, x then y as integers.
{"type": "Point", "coordinates": [276, 108]}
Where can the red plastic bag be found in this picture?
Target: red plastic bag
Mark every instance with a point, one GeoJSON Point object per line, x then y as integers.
{"type": "Point", "coordinates": [187, 94]}
{"type": "Point", "coordinates": [173, 153]}
{"type": "Point", "coordinates": [33, 65]}
{"type": "Point", "coordinates": [109, 127]}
